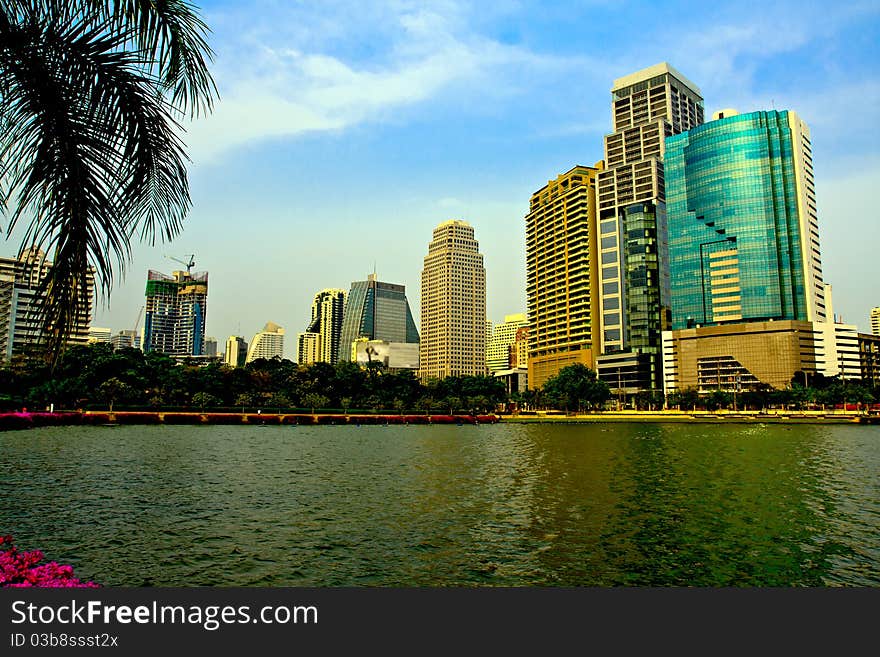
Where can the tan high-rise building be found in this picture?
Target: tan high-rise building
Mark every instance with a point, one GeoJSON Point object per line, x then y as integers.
{"type": "Point", "coordinates": [500, 341]}
{"type": "Point", "coordinates": [327, 312]}
{"type": "Point", "coordinates": [561, 274]}
{"type": "Point", "coordinates": [236, 351]}
{"type": "Point", "coordinates": [875, 321]}
{"type": "Point", "coordinates": [307, 348]}
{"type": "Point", "coordinates": [453, 308]}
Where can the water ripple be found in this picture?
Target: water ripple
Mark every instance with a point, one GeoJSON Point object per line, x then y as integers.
{"type": "Point", "coordinates": [503, 505]}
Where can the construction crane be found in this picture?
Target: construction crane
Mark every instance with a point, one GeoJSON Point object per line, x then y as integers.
{"type": "Point", "coordinates": [189, 265]}
{"type": "Point", "coordinates": [138, 320]}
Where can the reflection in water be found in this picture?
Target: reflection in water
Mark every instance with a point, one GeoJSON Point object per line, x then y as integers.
{"type": "Point", "coordinates": [512, 505]}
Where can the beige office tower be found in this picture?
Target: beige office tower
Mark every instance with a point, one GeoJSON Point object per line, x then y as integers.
{"type": "Point", "coordinates": [307, 348]}
{"type": "Point", "coordinates": [875, 321]}
{"type": "Point", "coordinates": [453, 296]}
{"type": "Point", "coordinates": [501, 339]}
{"type": "Point", "coordinates": [561, 274]}
{"type": "Point", "coordinates": [236, 351]}
{"type": "Point", "coordinates": [647, 107]}
{"type": "Point", "coordinates": [327, 312]}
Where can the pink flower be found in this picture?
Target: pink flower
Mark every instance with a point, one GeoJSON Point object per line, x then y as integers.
{"type": "Point", "coordinates": [21, 570]}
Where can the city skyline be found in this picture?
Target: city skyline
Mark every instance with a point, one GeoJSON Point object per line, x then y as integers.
{"type": "Point", "coordinates": [392, 97]}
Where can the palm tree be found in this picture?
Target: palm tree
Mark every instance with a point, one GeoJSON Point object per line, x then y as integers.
{"type": "Point", "coordinates": [91, 95]}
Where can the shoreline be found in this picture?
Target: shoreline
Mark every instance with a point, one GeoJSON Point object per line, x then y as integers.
{"type": "Point", "coordinates": [699, 417]}
{"type": "Point", "coordinates": [27, 420]}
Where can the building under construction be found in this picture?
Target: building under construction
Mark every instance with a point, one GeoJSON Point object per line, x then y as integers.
{"type": "Point", "coordinates": [174, 321]}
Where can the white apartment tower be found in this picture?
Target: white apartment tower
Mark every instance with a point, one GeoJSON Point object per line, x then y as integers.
{"type": "Point", "coordinates": [453, 304]}
{"type": "Point", "coordinates": [268, 343]}
{"type": "Point", "coordinates": [20, 325]}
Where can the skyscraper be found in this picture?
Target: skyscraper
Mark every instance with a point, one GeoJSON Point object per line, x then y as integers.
{"type": "Point", "coordinates": [268, 343]}
{"type": "Point", "coordinates": [875, 320]}
{"type": "Point", "coordinates": [174, 322]}
{"type": "Point", "coordinates": [377, 311]}
{"type": "Point", "coordinates": [453, 304]}
{"type": "Point", "coordinates": [743, 232]}
{"type": "Point", "coordinates": [236, 351]}
{"type": "Point", "coordinates": [20, 324]}
{"type": "Point", "coordinates": [561, 274]}
{"type": "Point", "coordinates": [307, 348]}
{"type": "Point", "coordinates": [502, 339]}
{"type": "Point", "coordinates": [647, 107]}
{"type": "Point", "coordinates": [327, 313]}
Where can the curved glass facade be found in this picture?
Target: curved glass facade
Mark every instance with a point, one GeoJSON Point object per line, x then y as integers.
{"type": "Point", "coordinates": [736, 228]}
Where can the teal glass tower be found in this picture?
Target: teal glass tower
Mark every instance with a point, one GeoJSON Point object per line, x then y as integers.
{"type": "Point", "coordinates": [378, 311]}
{"type": "Point", "coordinates": [743, 231]}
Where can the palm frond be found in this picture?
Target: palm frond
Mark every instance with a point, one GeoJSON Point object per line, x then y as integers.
{"type": "Point", "coordinates": [89, 152]}
{"type": "Point", "coordinates": [171, 36]}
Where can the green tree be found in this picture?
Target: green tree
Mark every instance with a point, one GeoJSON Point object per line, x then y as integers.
{"type": "Point", "coordinates": [575, 387]}
{"type": "Point", "coordinates": [279, 400]}
{"type": "Point", "coordinates": [244, 399]}
{"type": "Point", "coordinates": [686, 400]}
{"type": "Point", "coordinates": [113, 390]}
{"type": "Point", "coordinates": [314, 400]}
{"type": "Point", "coordinates": [203, 399]}
{"type": "Point", "coordinates": [90, 95]}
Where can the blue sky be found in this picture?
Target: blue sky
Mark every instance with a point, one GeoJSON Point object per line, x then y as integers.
{"type": "Point", "coordinates": [346, 131]}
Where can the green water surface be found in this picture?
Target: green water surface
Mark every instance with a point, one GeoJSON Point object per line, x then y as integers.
{"type": "Point", "coordinates": [490, 505]}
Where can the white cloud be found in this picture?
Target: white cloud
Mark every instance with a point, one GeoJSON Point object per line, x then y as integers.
{"type": "Point", "coordinates": [270, 90]}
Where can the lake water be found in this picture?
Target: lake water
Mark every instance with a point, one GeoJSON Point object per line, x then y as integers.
{"type": "Point", "coordinates": [490, 505]}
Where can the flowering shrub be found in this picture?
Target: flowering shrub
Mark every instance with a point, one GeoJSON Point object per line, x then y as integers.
{"type": "Point", "coordinates": [23, 569]}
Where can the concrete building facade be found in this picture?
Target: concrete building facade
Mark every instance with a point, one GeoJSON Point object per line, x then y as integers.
{"type": "Point", "coordinates": [20, 299]}
{"type": "Point", "coordinates": [307, 350]}
{"type": "Point", "coordinates": [126, 338]}
{"type": "Point", "coordinates": [268, 343]}
{"type": "Point", "coordinates": [647, 107]}
{"type": "Point", "coordinates": [453, 304]}
{"type": "Point", "coordinates": [869, 358]}
{"type": "Point", "coordinates": [738, 357]}
{"type": "Point", "coordinates": [502, 339]}
{"type": "Point", "coordinates": [562, 287]}
{"type": "Point", "coordinates": [236, 351]}
{"type": "Point", "coordinates": [328, 310]}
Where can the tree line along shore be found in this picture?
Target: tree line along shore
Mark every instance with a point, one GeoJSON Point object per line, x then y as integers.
{"type": "Point", "coordinates": [96, 378]}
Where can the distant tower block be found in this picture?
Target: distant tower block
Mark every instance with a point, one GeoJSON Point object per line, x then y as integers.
{"type": "Point", "coordinates": [453, 304]}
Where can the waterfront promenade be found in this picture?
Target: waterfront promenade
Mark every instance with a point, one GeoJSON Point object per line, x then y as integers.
{"type": "Point", "coordinates": [26, 420]}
